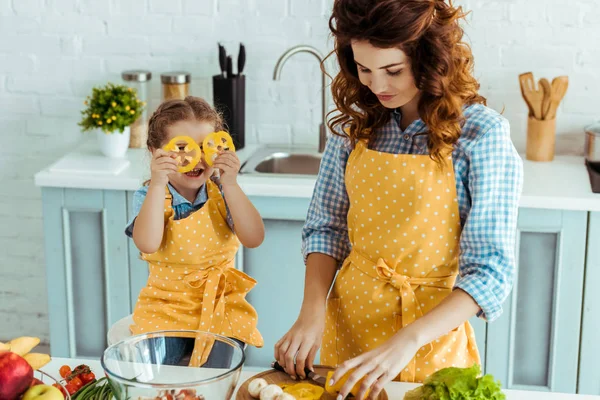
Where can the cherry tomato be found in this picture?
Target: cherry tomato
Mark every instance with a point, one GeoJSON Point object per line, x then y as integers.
{"type": "Point", "coordinates": [64, 371]}
{"type": "Point", "coordinates": [71, 388]}
{"type": "Point", "coordinates": [81, 368]}
{"type": "Point", "coordinates": [77, 382]}
{"type": "Point", "coordinates": [87, 377]}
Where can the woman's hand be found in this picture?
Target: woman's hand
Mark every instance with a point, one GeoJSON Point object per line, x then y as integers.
{"type": "Point", "coordinates": [162, 165]}
{"type": "Point", "coordinates": [229, 164]}
{"type": "Point", "coordinates": [301, 343]}
{"type": "Point", "coordinates": [377, 367]}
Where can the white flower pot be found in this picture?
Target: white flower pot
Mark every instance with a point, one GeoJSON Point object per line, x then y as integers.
{"type": "Point", "coordinates": [114, 144]}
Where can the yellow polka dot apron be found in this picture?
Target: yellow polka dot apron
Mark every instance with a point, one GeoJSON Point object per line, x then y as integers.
{"type": "Point", "coordinates": [404, 228]}
{"type": "Point", "coordinates": [193, 283]}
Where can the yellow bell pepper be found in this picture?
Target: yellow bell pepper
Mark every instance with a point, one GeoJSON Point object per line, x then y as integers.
{"type": "Point", "coordinates": [304, 391]}
{"type": "Point", "coordinates": [335, 389]}
{"type": "Point", "coordinates": [191, 147]}
{"type": "Point", "coordinates": [214, 144]}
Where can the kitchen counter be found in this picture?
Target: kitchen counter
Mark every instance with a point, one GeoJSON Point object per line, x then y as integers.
{"type": "Point", "coordinates": [562, 184]}
{"type": "Point", "coordinates": [395, 390]}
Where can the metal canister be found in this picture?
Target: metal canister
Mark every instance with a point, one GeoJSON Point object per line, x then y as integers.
{"type": "Point", "coordinates": [175, 85]}
{"type": "Point", "coordinates": [592, 142]}
{"type": "Point", "coordinates": [139, 80]}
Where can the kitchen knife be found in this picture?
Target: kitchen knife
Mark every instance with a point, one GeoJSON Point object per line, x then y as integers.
{"type": "Point", "coordinates": [241, 61]}
{"type": "Point", "coordinates": [229, 67]}
{"type": "Point", "coordinates": [313, 376]}
{"type": "Point", "coordinates": [222, 59]}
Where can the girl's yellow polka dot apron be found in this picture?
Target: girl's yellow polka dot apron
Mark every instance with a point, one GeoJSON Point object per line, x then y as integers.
{"type": "Point", "coordinates": [404, 227]}
{"type": "Point", "coordinates": [193, 283]}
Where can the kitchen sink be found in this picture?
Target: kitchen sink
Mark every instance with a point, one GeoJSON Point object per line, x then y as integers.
{"type": "Point", "coordinates": [288, 161]}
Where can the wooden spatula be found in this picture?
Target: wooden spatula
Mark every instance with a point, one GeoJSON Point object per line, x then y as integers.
{"type": "Point", "coordinates": [547, 89]}
{"type": "Point", "coordinates": [523, 82]}
{"type": "Point", "coordinates": [534, 96]}
{"type": "Point", "coordinates": [560, 85]}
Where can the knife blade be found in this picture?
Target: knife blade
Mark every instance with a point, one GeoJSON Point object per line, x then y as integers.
{"type": "Point", "coordinates": [222, 59]}
{"type": "Point", "coordinates": [313, 376]}
{"type": "Point", "coordinates": [241, 61]}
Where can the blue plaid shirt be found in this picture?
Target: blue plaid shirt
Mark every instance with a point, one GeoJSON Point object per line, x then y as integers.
{"type": "Point", "coordinates": [489, 180]}
{"type": "Point", "coordinates": [181, 207]}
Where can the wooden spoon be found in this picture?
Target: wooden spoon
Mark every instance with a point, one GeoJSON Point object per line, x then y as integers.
{"type": "Point", "coordinates": [560, 85]}
{"type": "Point", "coordinates": [547, 89]}
{"type": "Point", "coordinates": [523, 82]}
{"type": "Point", "coordinates": [533, 94]}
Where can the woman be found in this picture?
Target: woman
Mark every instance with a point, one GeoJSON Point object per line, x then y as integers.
{"type": "Point", "coordinates": [416, 203]}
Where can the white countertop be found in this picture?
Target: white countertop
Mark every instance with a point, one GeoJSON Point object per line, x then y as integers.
{"type": "Point", "coordinates": [561, 184]}
{"type": "Point", "coordinates": [395, 390]}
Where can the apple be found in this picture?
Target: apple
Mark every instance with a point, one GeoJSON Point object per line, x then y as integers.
{"type": "Point", "coordinates": [43, 392]}
{"type": "Point", "coordinates": [15, 375]}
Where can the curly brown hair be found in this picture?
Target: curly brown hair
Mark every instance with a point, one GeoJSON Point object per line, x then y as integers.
{"type": "Point", "coordinates": [172, 111]}
{"type": "Point", "coordinates": [428, 32]}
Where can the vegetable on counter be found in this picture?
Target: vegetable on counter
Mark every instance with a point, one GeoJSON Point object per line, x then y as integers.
{"type": "Point", "coordinates": [303, 391]}
{"type": "Point", "coordinates": [335, 389]}
{"type": "Point", "coordinates": [457, 384]}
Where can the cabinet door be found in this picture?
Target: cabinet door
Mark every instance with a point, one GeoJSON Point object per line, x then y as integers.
{"type": "Point", "coordinates": [138, 268]}
{"type": "Point", "coordinates": [278, 267]}
{"type": "Point", "coordinates": [535, 343]}
{"type": "Point", "coordinates": [589, 362]}
{"type": "Point", "coordinates": [86, 265]}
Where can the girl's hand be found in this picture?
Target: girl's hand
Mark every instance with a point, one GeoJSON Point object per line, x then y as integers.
{"type": "Point", "coordinates": [377, 367]}
{"type": "Point", "coordinates": [229, 164]}
{"type": "Point", "coordinates": [162, 165]}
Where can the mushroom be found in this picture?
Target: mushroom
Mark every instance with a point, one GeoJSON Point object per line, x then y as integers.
{"type": "Point", "coordinates": [270, 392]}
{"type": "Point", "coordinates": [285, 396]}
{"type": "Point", "coordinates": [255, 386]}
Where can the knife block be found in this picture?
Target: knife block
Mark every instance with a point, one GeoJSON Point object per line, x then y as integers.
{"type": "Point", "coordinates": [229, 98]}
{"type": "Point", "coordinates": [541, 139]}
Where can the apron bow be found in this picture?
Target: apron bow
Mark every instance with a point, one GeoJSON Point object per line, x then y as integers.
{"type": "Point", "coordinates": [411, 308]}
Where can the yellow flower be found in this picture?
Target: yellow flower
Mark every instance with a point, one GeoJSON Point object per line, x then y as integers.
{"type": "Point", "coordinates": [129, 89]}
{"type": "Point", "coordinates": [99, 122]}
{"type": "Point", "coordinates": [114, 118]}
{"type": "Point", "coordinates": [108, 121]}
{"type": "Point", "coordinates": [127, 108]}
{"type": "Point", "coordinates": [114, 104]}
{"type": "Point", "coordinates": [132, 112]}
{"type": "Point", "coordinates": [93, 115]}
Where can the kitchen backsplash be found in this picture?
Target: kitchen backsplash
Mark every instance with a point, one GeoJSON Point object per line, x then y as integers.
{"type": "Point", "coordinates": [53, 51]}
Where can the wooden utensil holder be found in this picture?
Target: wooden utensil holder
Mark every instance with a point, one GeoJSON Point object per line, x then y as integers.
{"type": "Point", "coordinates": [541, 139]}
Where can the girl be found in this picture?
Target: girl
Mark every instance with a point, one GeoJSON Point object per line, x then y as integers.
{"type": "Point", "coordinates": [188, 226]}
{"type": "Point", "coordinates": [416, 202]}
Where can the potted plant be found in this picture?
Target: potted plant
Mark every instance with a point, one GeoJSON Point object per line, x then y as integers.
{"type": "Point", "coordinates": [110, 111]}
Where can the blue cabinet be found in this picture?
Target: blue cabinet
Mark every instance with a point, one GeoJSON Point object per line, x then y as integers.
{"type": "Point", "coordinates": [589, 372]}
{"type": "Point", "coordinates": [543, 341]}
{"type": "Point", "coordinates": [86, 267]}
{"type": "Point", "coordinates": [535, 343]}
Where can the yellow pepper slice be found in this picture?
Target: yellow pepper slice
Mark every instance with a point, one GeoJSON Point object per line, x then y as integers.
{"type": "Point", "coordinates": [188, 150]}
{"type": "Point", "coordinates": [304, 391]}
{"type": "Point", "coordinates": [214, 144]}
{"type": "Point", "coordinates": [335, 389]}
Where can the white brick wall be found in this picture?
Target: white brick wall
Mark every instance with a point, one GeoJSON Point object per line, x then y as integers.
{"type": "Point", "coordinates": [53, 51]}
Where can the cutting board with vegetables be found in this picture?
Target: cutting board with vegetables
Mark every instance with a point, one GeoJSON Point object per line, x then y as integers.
{"type": "Point", "coordinates": [283, 379]}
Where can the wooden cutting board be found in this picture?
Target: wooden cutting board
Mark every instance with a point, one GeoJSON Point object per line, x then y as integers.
{"type": "Point", "coordinates": [279, 378]}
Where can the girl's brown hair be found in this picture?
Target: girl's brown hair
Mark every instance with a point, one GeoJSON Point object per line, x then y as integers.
{"type": "Point", "coordinates": [172, 111]}
{"type": "Point", "coordinates": [428, 31]}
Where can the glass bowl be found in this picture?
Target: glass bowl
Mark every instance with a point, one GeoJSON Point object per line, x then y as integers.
{"type": "Point", "coordinates": [48, 379]}
{"type": "Point", "coordinates": [156, 365]}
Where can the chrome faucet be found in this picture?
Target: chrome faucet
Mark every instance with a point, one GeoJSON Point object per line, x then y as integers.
{"type": "Point", "coordinates": [277, 73]}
